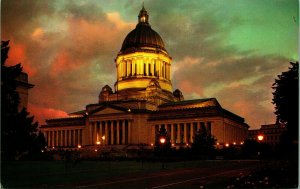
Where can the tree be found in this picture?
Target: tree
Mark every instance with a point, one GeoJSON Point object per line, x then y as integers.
{"type": "Point", "coordinates": [286, 99]}
{"type": "Point", "coordinates": [203, 143]}
{"type": "Point", "coordinates": [18, 130]}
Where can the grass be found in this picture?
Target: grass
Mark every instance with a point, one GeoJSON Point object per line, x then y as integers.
{"type": "Point", "coordinates": [53, 173]}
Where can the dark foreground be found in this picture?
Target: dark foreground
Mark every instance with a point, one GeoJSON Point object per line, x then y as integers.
{"type": "Point", "coordinates": [123, 174]}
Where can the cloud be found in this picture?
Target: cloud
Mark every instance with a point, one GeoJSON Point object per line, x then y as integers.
{"type": "Point", "coordinates": [68, 49]}
{"type": "Point", "coordinates": [40, 113]}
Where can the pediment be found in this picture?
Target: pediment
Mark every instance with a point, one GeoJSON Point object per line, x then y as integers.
{"type": "Point", "coordinates": [107, 110]}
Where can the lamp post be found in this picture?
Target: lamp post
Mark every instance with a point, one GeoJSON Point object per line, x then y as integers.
{"type": "Point", "coordinates": [162, 141]}
{"type": "Point", "coordinates": [260, 138]}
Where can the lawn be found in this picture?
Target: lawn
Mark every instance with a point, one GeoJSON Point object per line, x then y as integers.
{"type": "Point", "coordinates": [53, 173]}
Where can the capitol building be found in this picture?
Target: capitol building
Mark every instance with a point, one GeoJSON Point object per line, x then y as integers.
{"type": "Point", "coordinates": [141, 102]}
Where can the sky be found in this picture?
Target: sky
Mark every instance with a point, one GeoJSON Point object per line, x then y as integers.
{"type": "Point", "coordinates": [231, 50]}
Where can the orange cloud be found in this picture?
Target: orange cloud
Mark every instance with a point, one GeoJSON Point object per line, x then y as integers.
{"type": "Point", "coordinates": [17, 54]}
{"type": "Point", "coordinates": [62, 62]}
{"type": "Point", "coordinates": [189, 88]}
{"type": "Point", "coordinates": [41, 113]}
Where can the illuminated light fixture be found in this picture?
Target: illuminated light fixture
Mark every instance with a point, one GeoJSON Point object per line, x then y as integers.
{"type": "Point", "coordinates": [129, 110]}
{"type": "Point", "coordinates": [260, 137]}
{"type": "Point", "coordinates": [151, 144]}
{"type": "Point", "coordinates": [103, 137]}
{"type": "Point", "coordinates": [242, 143]}
{"type": "Point", "coordinates": [187, 144]}
{"type": "Point", "coordinates": [53, 147]}
{"type": "Point", "coordinates": [96, 150]}
{"type": "Point", "coordinates": [162, 140]}
{"type": "Point", "coordinates": [98, 142]}
{"type": "Point", "coordinates": [227, 145]}
{"type": "Point", "coordinates": [234, 143]}
{"type": "Point", "coordinates": [79, 146]}
{"type": "Point", "coordinates": [173, 144]}
{"type": "Point", "coordinates": [42, 151]}
{"type": "Point", "coordinates": [218, 143]}
{"type": "Point", "coordinates": [86, 113]}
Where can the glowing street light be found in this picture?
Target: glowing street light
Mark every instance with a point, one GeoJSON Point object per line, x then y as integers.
{"type": "Point", "coordinates": [260, 137]}
{"type": "Point", "coordinates": [98, 142]}
{"type": "Point", "coordinates": [79, 146]}
{"type": "Point", "coordinates": [162, 140]}
{"type": "Point", "coordinates": [227, 145]}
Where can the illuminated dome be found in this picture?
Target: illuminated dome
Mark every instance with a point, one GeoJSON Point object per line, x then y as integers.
{"type": "Point", "coordinates": [142, 37]}
{"type": "Point", "coordinates": [143, 64]}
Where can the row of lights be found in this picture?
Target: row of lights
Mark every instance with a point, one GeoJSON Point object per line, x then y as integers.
{"type": "Point", "coordinates": [163, 140]}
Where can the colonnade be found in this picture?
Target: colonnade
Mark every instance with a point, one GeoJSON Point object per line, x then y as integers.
{"type": "Point", "coordinates": [64, 138]}
{"type": "Point", "coordinates": [141, 67]}
{"type": "Point", "coordinates": [111, 132]}
{"type": "Point", "coordinates": [182, 132]}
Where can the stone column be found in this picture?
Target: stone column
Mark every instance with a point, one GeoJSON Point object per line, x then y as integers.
{"type": "Point", "coordinates": [172, 134]}
{"type": "Point", "coordinates": [77, 138]}
{"type": "Point", "coordinates": [60, 138]}
{"type": "Point", "coordinates": [178, 133]}
{"type": "Point", "coordinates": [124, 66]}
{"type": "Point", "coordinates": [65, 134]}
{"type": "Point", "coordinates": [106, 132]}
{"type": "Point", "coordinates": [168, 129]}
{"type": "Point", "coordinates": [192, 133]}
{"type": "Point", "coordinates": [111, 132]}
{"type": "Point", "coordinates": [52, 138]}
{"type": "Point", "coordinates": [118, 131]}
{"type": "Point", "coordinates": [73, 134]}
{"type": "Point", "coordinates": [100, 132]}
{"type": "Point", "coordinates": [185, 133]}
{"type": "Point", "coordinates": [152, 67]}
{"type": "Point", "coordinates": [147, 69]}
{"type": "Point", "coordinates": [123, 132]}
{"type": "Point", "coordinates": [47, 137]}
{"type": "Point", "coordinates": [94, 133]}
{"type": "Point", "coordinates": [129, 132]}
{"type": "Point", "coordinates": [91, 133]}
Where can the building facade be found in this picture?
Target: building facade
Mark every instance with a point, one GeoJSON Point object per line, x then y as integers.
{"type": "Point", "coordinates": [271, 133]}
{"type": "Point", "coordinates": [142, 102]}
{"type": "Point", "coordinates": [22, 88]}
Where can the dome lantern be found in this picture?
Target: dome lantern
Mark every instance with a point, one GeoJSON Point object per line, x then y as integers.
{"type": "Point", "coordinates": [143, 16]}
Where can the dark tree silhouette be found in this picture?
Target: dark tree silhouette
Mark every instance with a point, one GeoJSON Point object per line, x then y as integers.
{"type": "Point", "coordinates": [18, 130]}
{"type": "Point", "coordinates": [203, 143]}
{"type": "Point", "coordinates": [286, 99]}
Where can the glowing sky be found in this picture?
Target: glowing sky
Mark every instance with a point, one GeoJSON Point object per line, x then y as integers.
{"type": "Point", "coordinates": [231, 50]}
